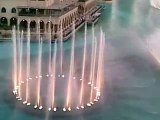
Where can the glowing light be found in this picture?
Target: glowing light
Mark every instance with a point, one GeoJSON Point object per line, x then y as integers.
{"type": "Point", "coordinates": [19, 99]}
{"type": "Point", "coordinates": [74, 78]}
{"type": "Point", "coordinates": [62, 76]}
{"type": "Point", "coordinates": [35, 106]}
{"type": "Point", "coordinates": [24, 102]}
{"type": "Point", "coordinates": [14, 92]}
{"type": "Point", "coordinates": [92, 103]}
{"type": "Point", "coordinates": [82, 107]}
{"type": "Point", "coordinates": [28, 104]}
{"type": "Point", "coordinates": [98, 93]}
{"type": "Point", "coordinates": [77, 108]}
{"type": "Point", "coordinates": [95, 100]}
{"type": "Point", "coordinates": [69, 109]}
{"type": "Point", "coordinates": [40, 107]}
{"type": "Point", "coordinates": [49, 109]}
{"type": "Point", "coordinates": [36, 76]}
{"type": "Point", "coordinates": [88, 104]}
{"type": "Point", "coordinates": [89, 83]}
{"type": "Point", "coordinates": [55, 109]}
{"type": "Point", "coordinates": [64, 109]}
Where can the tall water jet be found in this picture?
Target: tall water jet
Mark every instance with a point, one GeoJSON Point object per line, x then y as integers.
{"type": "Point", "coordinates": [14, 71]}
{"type": "Point", "coordinates": [100, 64]}
{"type": "Point", "coordinates": [93, 60]}
{"type": "Point", "coordinates": [49, 44]}
{"type": "Point", "coordinates": [39, 68]}
{"type": "Point", "coordinates": [92, 73]}
{"type": "Point", "coordinates": [71, 69]}
{"type": "Point", "coordinates": [83, 66]}
{"type": "Point", "coordinates": [54, 75]}
{"type": "Point", "coordinates": [92, 54]}
{"type": "Point", "coordinates": [20, 74]}
{"type": "Point", "coordinates": [28, 64]}
{"type": "Point", "coordinates": [61, 55]}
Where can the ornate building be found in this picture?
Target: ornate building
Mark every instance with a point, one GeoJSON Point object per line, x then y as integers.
{"type": "Point", "coordinates": [57, 13]}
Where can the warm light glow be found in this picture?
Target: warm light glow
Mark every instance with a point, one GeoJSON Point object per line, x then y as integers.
{"type": "Point", "coordinates": [28, 104]}
{"type": "Point", "coordinates": [77, 108]}
{"type": "Point", "coordinates": [88, 104]}
{"type": "Point", "coordinates": [49, 109]}
{"type": "Point", "coordinates": [55, 109]}
{"type": "Point", "coordinates": [64, 109]}
{"type": "Point", "coordinates": [24, 102]}
{"type": "Point", "coordinates": [40, 107]}
{"type": "Point", "coordinates": [33, 87]}
{"type": "Point", "coordinates": [35, 106]}
{"type": "Point", "coordinates": [82, 107]}
{"type": "Point", "coordinates": [69, 109]}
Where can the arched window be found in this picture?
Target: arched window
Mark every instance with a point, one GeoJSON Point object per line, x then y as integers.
{"type": "Point", "coordinates": [13, 10]}
{"type": "Point", "coordinates": [13, 21]}
{"type": "Point", "coordinates": [4, 21]}
{"type": "Point", "coordinates": [3, 10]}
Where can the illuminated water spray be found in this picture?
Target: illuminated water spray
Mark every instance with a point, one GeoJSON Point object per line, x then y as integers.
{"type": "Point", "coordinates": [56, 85]}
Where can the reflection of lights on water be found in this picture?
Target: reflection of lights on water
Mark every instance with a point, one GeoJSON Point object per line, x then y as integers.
{"type": "Point", "coordinates": [17, 97]}
{"type": "Point", "coordinates": [98, 93]}
{"type": "Point", "coordinates": [64, 109]}
{"type": "Point", "coordinates": [14, 92]}
{"type": "Point", "coordinates": [35, 106]}
{"type": "Point", "coordinates": [36, 76]}
{"type": "Point", "coordinates": [40, 76]}
{"type": "Point", "coordinates": [62, 76]}
{"type": "Point", "coordinates": [47, 75]}
{"type": "Point", "coordinates": [92, 103]}
{"type": "Point", "coordinates": [49, 109]}
{"type": "Point", "coordinates": [30, 78]}
{"type": "Point", "coordinates": [69, 109]}
{"type": "Point", "coordinates": [74, 78]}
{"type": "Point", "coordinates": [89, 83]}
{"type": "Point", "coordinates": [80, 79]}
{"type": "Point", "coordinates": [28, 104]}
{"type": "Point", "coordinates": [88, 104]}
{"type": "Point", "coordinates": [95, 100]}
{"type": "Point", "coordinates": [82, 107]}
{"type": "Point", "coordinates": [51, 75]}
{"type": "Point", "coordinates": [77, 108]}
{"type": "Point", "coordinates": [55, 109]}
{"type": "Point", "coordinates": [24, 102]}
{"type": "Point", "coordinates": [20, 99]}
{"type": "Point", "coordinates": [40, 107]}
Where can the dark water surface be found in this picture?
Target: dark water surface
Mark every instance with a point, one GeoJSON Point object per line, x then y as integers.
{"type": "Point", "coordinates": [132, 75]}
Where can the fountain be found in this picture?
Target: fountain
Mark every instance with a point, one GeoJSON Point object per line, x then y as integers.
{"type": "Point", "coordinates": [54, 84]}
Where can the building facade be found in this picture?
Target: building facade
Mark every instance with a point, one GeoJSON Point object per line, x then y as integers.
{"type": "Point", "coordinates": [56, 13]}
